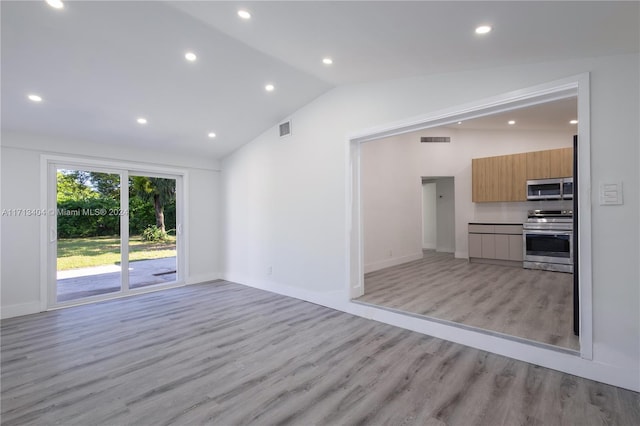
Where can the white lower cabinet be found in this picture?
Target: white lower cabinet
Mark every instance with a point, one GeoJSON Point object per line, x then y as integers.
{"type": "Point", "coordinates": [475, 245]}
{"type": "Point", "coordinates": [502, 246]}
{"type": "Point", "coordinates": [488, 246]}
{"type": "Point", "coordinates": [516, 248]}
{"type": "Point", "coordinates": [501, 242]}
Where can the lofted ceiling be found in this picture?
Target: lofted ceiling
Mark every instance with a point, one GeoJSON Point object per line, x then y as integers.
{"type": "Point", "coordinates": [101, 65]}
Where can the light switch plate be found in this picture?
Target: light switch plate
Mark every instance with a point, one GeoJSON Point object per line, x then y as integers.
{"type": "Point", "coordinates": [610, 193]}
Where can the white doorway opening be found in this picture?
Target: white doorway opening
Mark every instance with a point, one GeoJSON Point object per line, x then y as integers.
{"type": "Point", "coordinates": [561, 89]}
{"type": "Point", "coordinates": [438, 214]}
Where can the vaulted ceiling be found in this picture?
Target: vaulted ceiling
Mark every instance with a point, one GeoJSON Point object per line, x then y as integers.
{"type": "Point", "coordinates": [99, 66]}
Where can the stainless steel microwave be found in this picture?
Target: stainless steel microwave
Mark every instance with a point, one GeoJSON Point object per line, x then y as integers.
{"type": "Point", "coordinates": [550, 189]}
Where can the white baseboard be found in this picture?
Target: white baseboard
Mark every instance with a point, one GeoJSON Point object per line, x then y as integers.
{"type": "Point", "coordinates": [335, 300]}
{"type": "Point", "coordinates": [20, 309]}
{"type": "Point", "coordinates": [445, 250]}
{"type": "Point", "coordinates": [461, 255]}
{"type": "Point", "coordinates": [392, 261]}
{"type": "Point", "coordinates": [203, 278]}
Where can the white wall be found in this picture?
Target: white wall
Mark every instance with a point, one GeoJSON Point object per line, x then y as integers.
{"type": "Point", "coordinates": [429, 218]}
{"type": "Point", "coordinates": [405, 155]}
{"type": "Point", "coordinates": [21, 170]}
{"type": "Point", "coordinates": [391, 207]}
{"type": "Point", "coordinates": [285, 200]}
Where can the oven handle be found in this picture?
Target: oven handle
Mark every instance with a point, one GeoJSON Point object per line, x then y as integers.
{"type": "Point", "coordinates": [547, 232]}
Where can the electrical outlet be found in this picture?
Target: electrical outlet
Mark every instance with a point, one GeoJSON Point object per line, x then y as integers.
{"type": "Point", "coordinates": [270, 270]}
{"type": "Point", "coordinates": [390, 253]}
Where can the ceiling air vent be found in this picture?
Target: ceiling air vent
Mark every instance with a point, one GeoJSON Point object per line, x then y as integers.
{"type": "Point", "coordinates": [285, 129]}
{"type": "Point", "coordinates": [435, 139]}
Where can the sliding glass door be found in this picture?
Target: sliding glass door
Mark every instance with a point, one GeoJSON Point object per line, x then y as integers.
{"type": "Point", "coordinates": [114, 232]}
{"type": "Point", "coordinates": [88, 255]}
{"type": "Point", "coordinates": [152, 231]}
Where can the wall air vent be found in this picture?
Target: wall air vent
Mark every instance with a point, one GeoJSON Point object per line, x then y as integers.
{"type": "Point", "coordinates": [285, 129]}
{"type": "Point", "coordinates": [435, 139]}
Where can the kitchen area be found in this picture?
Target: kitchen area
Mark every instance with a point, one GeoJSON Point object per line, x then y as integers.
{"type": "Point", "coordinates": [545, 240]}
{"type": "Point", "coordinates": [543, 177]}
{"type": "Point", "coordinates": [511, 218]}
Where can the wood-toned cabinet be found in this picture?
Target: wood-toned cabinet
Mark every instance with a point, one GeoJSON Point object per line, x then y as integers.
{"type": "Point", "coordinates": [498, 178]}
{"type": "Point", "coordinates": [496, 242]}
{"type": "Point", "coordinates": [504, 178]}
{"type": "Point", "coordinates": [554, 163]}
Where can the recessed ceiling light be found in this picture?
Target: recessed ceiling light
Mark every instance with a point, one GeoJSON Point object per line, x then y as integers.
{"type": "Point", "coordinates": [269, 87]}
{"type": "Point", "coordinates": [244, 14]}
{"type": "Point", "coordinates": [190, 56]}
{"type": "Point", "coordinates": [34, 98]}
{"type": "Point", "coordinates": [573, 122]}
{"type": "Point", "coordinates": [459, 122]}
{"type": "Point", "coordinates": [512, 122]}
{"type": "Point", "coordinates": [483, 29]}
{"type": "Point", "coordinates": [142, 120]}
{"type": "Point", "coordinates": [211, 135]}
{"type": "Point", "coordinates": [327, 61]}
{"type": "Point", "coordinates": [56, 4]}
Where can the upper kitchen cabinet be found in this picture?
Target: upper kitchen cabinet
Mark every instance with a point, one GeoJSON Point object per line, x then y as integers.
{"type": "Point", "coordinates": [554, 163]}
{"type": "Point", "coordinates": [499, 178]}
{"type": "Point", "coordinates": [504, 178]}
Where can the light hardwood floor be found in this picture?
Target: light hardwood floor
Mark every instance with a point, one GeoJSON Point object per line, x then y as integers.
{"type": "Point", "coordinates": [531, 304]}
{"type": "Point", "coordinates": [226, 354]}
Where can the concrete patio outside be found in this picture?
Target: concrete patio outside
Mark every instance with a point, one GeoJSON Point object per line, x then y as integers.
{"type": "Point", "coordinates": [85, 282]}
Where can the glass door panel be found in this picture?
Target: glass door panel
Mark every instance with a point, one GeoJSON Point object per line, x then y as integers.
{"type": "Point", "coordinates": [152, 231]}
{"type": "Point", "coordinates": [88, 254]}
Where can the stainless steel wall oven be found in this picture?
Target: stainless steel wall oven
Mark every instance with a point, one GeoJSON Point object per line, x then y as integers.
{"type": "Point", "coordinates": [548, 240]}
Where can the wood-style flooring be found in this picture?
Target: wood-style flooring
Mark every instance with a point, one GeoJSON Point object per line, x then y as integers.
{"type": "Point", "coordinates": [226, 354]}
{"type": "Point", "coordinates": [531, 304]}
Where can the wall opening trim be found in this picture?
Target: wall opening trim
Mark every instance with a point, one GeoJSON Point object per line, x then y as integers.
{"type": "Point", "coordinates": [555, 90]}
